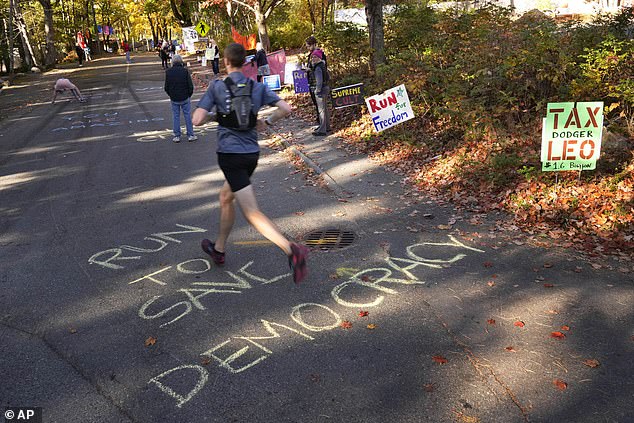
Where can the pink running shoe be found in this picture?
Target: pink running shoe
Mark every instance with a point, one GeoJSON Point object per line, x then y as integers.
{"type": "Point", "coordinates": [216, 256]}
{"type": "Point", "coordinates": [297, 262]}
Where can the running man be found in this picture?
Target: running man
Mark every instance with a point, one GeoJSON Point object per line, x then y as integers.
{"type": "Point", "coordinates": [63, 84]}
{"type": "Point", "coordinates": [238, 152]}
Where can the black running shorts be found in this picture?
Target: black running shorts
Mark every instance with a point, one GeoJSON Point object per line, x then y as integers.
{"type": "Point", "coordinates": [238, 168]}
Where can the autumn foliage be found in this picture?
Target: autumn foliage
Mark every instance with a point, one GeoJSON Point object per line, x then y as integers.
{"type": "Point", "coordinates": [479, 83]}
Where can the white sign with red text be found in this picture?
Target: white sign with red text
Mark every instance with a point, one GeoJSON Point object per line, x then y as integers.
{"type": "Point", "coordinates": [390, 108]}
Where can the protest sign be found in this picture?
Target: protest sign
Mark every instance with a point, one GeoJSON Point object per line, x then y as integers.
{"type": "Point", "coordinates": [390, 108]}
{"type": "Point", "coordinates": [571, 136]}
{"type": "Point", "coordinates": [347, 96]}
{"type": "Point", "coordinates": [272, 81]}
{"type": "Point", "coordinates": [300, 81]}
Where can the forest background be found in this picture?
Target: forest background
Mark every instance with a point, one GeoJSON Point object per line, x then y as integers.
{"type": "Point", "coordinates": [479, 79]}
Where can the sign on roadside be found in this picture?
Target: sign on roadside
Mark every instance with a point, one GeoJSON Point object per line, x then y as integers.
{"type": "Point", "coordinates": [390, 108]}
{"type": "Point", "coordinates": [202, 28]}
{"type": "Point", "coordinates": [571, 136]}
{"type": "Point", "coordinates": [347, 96]}
{"type": "Point", "coordinates": [300, 81]}
{"type": "Point", "coordinates": [273, 82]}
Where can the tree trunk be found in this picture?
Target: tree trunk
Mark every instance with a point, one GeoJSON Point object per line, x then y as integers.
{"type": "Point", "coordinates": [182, 13]}
{"type": "Point", "coordinates": [374, 16]}
{"type": "Point", "coordinates": [29, 56]}
{"type": "Point", "coordinates": [50, 57]}
{"type": "Point", "coordinates": [260, 21]}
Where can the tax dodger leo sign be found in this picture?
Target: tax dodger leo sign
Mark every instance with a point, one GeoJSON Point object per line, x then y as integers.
{"type": "Point", "coordinates": [571, 136]}
{"type": "Point", "coordinates": [390, 108]}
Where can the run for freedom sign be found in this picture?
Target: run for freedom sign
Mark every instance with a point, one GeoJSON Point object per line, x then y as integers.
{"type": "Point", "coordinates": [390, 108]}
{"type": "Point", "coordinates": [571, 136]}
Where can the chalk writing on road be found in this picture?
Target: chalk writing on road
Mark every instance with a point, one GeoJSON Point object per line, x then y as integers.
{"type": "Point", "coordinates": [96, 120]}
{"type": "Point", "coordinates": [239, 353]}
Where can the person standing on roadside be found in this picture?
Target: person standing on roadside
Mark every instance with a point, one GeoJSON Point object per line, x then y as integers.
{"type": "Point", "coordinates": [237, 100]}
{"type": "Point", "coordinates": [80, 54]}
{"type": "Point", "coordinates": [164, 55]}
{"type": "Point", "coordinates": [261, 62]}
{"type": "Point", "coordinates": [321, 92]}
{"type": "Point", "coordinates": [215, 54]}
{"type": "Point", "coordinates": [126, 49]}
{"type": "Point", "coordinates": [179, 87]}
{"type": "Point", "coordinates": [311, 45]}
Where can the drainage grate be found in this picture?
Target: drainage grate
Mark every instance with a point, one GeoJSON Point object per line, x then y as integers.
{"type": "Point", "coordinates": [329, 239]}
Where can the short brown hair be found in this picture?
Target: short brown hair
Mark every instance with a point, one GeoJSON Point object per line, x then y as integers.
{"type": "Point", "coordinates": [235, 54]}
{"type": "Point", "coordinates": [311, 40]}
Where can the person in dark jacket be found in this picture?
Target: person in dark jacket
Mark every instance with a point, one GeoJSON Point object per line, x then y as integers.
{"type": "Point", "coordinates": [261, 62]}
{"type": "Point", "coordinates": [179, 86]}
{"type": "Point", "coordinates": [311, 45]}
{"type": "Point", "coordinates": [321, 90]}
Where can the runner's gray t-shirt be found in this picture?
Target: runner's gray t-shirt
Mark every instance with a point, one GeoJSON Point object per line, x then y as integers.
{"type": "Point", "coordinates": [229, 140]}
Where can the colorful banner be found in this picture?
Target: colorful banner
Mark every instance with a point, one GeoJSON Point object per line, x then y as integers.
{"type": "Point", "coordinates": [277, 63]}
{"type": "Point", "coordinates": [248, 41]}
{"type": "Point", "coordinates": [571, 136]}
{"type": "Point", "coordinates": [390, 108]}
{"type": "Point", "coordinates": [347, 96]}
{"type": "Point", "coordinates": [300, 81]}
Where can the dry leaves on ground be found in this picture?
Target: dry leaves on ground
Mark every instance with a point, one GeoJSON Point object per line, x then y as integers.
{"type": "Point", "coordinates": [439, 359]}
{"type": "Point", "coordinates": [150, 341]}
{"type": "Point", "coordinates": [519, 324]}
{"type": "Point", "coordinates": [346, 324]}
{"type": "Point", "coordinates": [557, 335]}
{"type": "Point", "coordinates": [591, 362]}
{"type": "Point", "coordinates": [560, 384]}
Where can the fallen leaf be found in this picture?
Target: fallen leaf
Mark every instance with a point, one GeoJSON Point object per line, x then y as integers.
{"type": "Point", "coordinates": [519, 324]}
{"type": "Point", "coordinates": [596, 266]}
{"type": "Point", "coordinates": [553, 312]}
{"type": "Point", "coordinates": [439, 359]}
{"type": "Point", "coordinates": [205, 361]}
{"type": "Point", "coordinates": [548, 285]}
{"type": "Point", "coordinates": [333, 276]}
{"type": "Point", "coordinates": [548, 265]}
{"type": "Point", "coordinates": [150, 341]}
{"type": "Point", "coordinates": [299, 213]}
{"type": "Point", "coordinates": [591, 362]}
{"type": "Point", "coordinates": [371, 326]}
{"type": "Point", "coordinates": [487, 264]}
{"type": "Point", "coordinates": [428, 387]}
{"type": "Point", "coordinates": [510, 349]}
{"type": "Point", "coordinates": [578, 269]}
{"type": "Point", "coordinates": [444, 227]}
{"type": "Point", "coordinates": [565, 327]}
{"type": "Point", "coordinates": [346, 324]}
{"type": "Point", "coordinates": [494, 276]}
{"type": "Point", "coordinates": [342, 200]}
{"type": "Point", "coordinates": [557, 335]}
{"type": "Point", "coordinates": [491, 283]}
{"type": "Point", "coordinates": [366, 278]}
{"type": "Point", "coordinates": [491, 321]}
{"type": "Point", "coordinates": [560, 384]}
{"type": "Point", "coordinates": [363, 314]}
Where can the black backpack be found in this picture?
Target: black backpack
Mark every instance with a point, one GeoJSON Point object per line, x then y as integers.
{"type": "Point", "coordinates": [240, 116]}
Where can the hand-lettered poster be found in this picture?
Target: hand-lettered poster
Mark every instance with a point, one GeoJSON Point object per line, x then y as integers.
{"type": "Point", "coordinates": [390, 108]}
{"type": "Point", "coordinates": [300, 81]}
{"type": "Point", "coordinates": [571, 136]}
{"type": "Point", "coordinates": [277, 64]}
{"type": "Point", "coordinates": [347, 96]}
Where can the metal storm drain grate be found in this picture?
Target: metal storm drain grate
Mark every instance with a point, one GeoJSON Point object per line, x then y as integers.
{"type": "Point", "coordinates": [329, 239]}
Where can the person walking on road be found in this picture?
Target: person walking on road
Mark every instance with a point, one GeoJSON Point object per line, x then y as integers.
{"type": "Point", "coordinates": [322, 92]}
{"type": "Point", "coordinates": [164, 55]}
{"type": "Point", "coordinates": [179, 87]}
{"type": "Point", "coordinates": [126, 49]}
{"type": "Point", "coordinates": [63, 84]}
{"type": "Point", "coordinates": [237, 100]}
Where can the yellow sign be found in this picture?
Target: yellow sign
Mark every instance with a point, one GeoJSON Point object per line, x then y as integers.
{"type": "Point", "coordinates": [202, 28]}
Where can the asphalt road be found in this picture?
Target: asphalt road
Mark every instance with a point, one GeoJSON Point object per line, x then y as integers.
{"type": "Point", "coordinates": [110, 312]}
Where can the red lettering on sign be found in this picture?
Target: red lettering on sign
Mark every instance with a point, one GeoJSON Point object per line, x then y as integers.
{"type": "Point", "coordinates": [582, 150]}
{"type": "Point", "coordinates": [591, 115]}
{"type": "Point", "coordinates": [392, 99]}
{"type": "Point", "coordinates": [569, 149]}
{"type": "Point", "coordinates": [373, 105]}
{"type": "Point", "coordinates": [573, 116]}
{"type": "Point", "coordinates": [556, 112]}
{"type": "Point", "coordinates": [550, 152]}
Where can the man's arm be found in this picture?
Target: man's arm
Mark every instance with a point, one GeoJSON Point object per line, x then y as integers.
{"type": "Point", "coordinates": [201, 116]}
{"type": "Point", "coordinates": [282, 110]}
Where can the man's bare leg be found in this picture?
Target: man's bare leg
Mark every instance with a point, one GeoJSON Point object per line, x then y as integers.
{"type": "Point", "coordinates": [227, 217]}
{"type": "Point", "coordinates": [249, 206]}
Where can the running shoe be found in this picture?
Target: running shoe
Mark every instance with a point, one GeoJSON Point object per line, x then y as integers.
{"type": "Point", "coordinates": [176, 139]}
{"type": "Point", "coordinates": [216, 256]}
{"type": "Point", "coordinates": [297, 262]}
{"type": "Point", "coordinates": [192, 138]}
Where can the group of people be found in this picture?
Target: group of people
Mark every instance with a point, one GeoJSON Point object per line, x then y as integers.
{"type": "Point", "coordinates": [82, 49]}
{"type": "Point", "coordinates": [166, 53]}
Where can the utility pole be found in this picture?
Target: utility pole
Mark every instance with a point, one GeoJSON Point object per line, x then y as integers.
{"type": "Point", "coordinates": [10, 37]}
